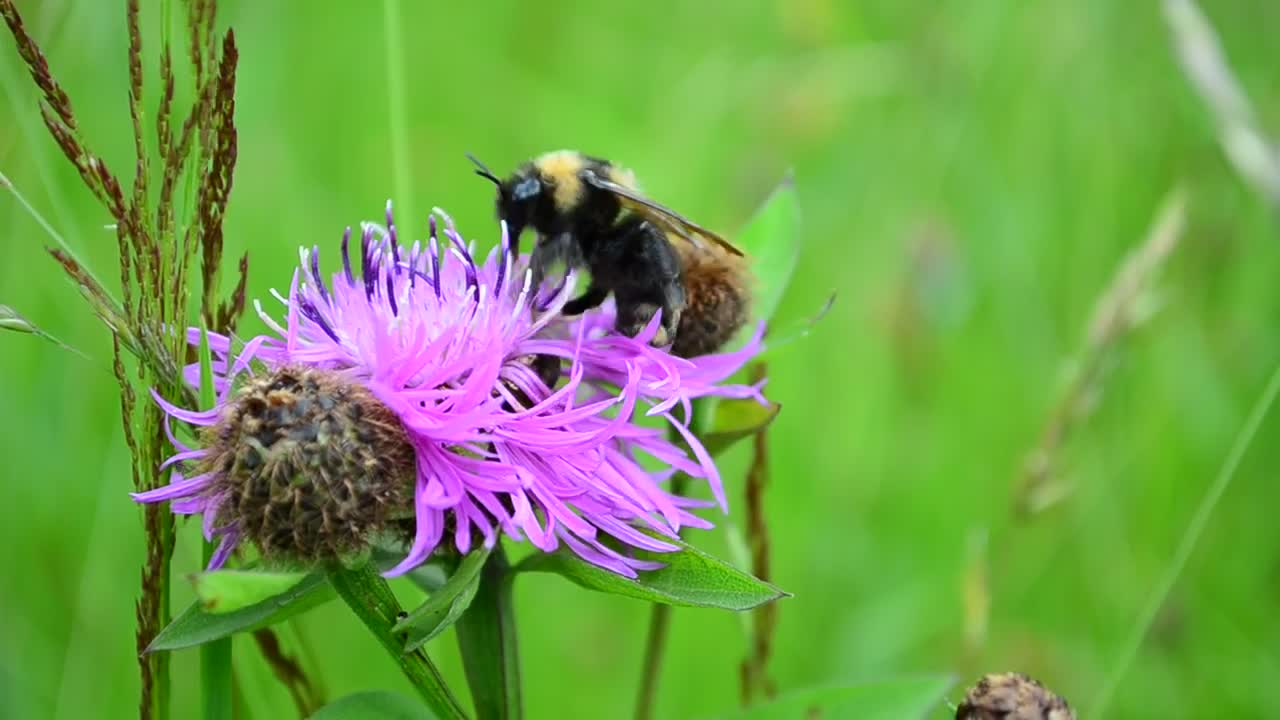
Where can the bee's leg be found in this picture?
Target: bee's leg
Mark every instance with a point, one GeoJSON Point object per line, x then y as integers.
{"type": "Point", "coordinates": [537, 265]}
{"type": "Point", "coordinates": [543, 255]}
{"type": "Point", "coordinates": [587, 300]}
{"type": "Point", "coordinates": [673, 301]}
{"type": "Point", "coordinates": [655, 284]}
{"type": "Point", "coordinates": [669, 284]}
{"type": "Point", "coordinates": [634, 314]}
{"type": "Point", "coordinates": [549, 250]}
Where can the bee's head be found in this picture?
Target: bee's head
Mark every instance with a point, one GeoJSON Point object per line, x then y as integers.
{"type": "Point", "coordinates": [518, 197]}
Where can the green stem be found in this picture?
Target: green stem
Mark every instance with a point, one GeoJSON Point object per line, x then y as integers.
{"type": "Point", "coordinates": [655, 645]}
{"type": "Point", "coordinates": [153, 614]}
{"type": "Point", "coordinates": [164, 688]}
{"type": "Point", "coordinates": [215, 671]}
{"type": "Point", "coordinates": [487, 639]}
{"type": "Point", "coordinates": [370, 598]}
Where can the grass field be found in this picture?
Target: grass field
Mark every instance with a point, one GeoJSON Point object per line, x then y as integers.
{"type": "Point", "coordinates": [972, 175]}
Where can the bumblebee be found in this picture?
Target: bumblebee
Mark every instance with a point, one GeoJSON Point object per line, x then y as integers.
{"type": "Point", "coordinates": [586, 211]}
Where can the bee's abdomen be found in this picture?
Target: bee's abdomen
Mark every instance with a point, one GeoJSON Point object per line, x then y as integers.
{"type": "Point", "coordinates": [718, 300]}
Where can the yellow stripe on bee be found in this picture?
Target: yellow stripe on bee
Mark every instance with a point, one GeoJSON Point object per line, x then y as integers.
{"type": "Point", "coordinates": [561, 168]}
{"type": "Point", "coordinates": [623, 177]}
{"type": "Point", "coordinates": [626, 178]}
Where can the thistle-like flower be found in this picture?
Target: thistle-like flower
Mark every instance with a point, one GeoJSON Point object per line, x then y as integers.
{"type": "Point", "coordinates": [431, 389]}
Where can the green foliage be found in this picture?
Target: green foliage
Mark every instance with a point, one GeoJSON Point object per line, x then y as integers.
{"type": "Point", "coordinates": [208, 393]}
{"type": "Point", "coordinates": [489, 646]}
{"type": "Point", "coordinates": [443, 608]}
{"type": "Point", "coordinates": [373, 705]}
{"type": "Point", "coordinates": [691, 578]}
{"type": "Point", "coordinates": [371, 600]}
{"type": "Point", "coordinates": [772, 240]}
{"type": "Point", "coordinates": [736, 419]}
{"type": "Point", "coordinates": [224, 591]}
{"type": "Point", "coordinates": [195, 625]}
{"type": "Point", "coordinates": [908, 698]}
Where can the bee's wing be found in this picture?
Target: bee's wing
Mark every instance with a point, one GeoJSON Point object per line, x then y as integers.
{"type": "Point", "coordinates": [664, 217]}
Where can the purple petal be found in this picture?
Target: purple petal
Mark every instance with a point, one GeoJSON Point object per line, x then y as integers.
{"type": "Point", "coordinates": [180, 487]}
{"type": "Point", "coordinates": [207, 417]}
{"type": "Point", "coordinates": [219, 557]}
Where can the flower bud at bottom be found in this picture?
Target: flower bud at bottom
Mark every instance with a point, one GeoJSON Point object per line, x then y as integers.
{"type": "Point", "coordinates": [309, 465]}
{"type": "Point", "coordinates": [1012, 696]}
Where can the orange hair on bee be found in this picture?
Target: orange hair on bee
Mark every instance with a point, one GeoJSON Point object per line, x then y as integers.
{"type": "Point", "coordinates": [718, 299]}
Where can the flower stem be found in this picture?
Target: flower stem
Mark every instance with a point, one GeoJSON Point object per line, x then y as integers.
{"type": "Point", "coordinates": [655, 645]}
{"type": "Point", "coordinates": [754, 671]}
{"type": "Point", "coordinates": [215, 671]}
{"type": "Point", "coordinates": [654, 649]}
{"type": "Point", "coordinates": [487, 639]}
{"type": "Point", "coordinates": [370, 598]}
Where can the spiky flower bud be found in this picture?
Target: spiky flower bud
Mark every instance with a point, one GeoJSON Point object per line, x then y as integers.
{"type": "Point", "coordinates": [303, 461]}
{"type": "Point", "coordinates": [309, 465]}
{"type": "Point", "coordinates": [1012, 696]}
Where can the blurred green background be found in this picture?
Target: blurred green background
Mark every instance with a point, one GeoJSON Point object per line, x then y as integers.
{"type": "Point", "coordinates": [971, 176]}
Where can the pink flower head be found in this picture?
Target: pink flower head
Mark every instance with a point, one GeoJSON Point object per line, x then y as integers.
{"type": "Point", "coordinates": [522, 421]}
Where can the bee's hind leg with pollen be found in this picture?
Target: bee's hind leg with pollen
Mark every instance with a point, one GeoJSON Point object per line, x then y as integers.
{"type": "Point", "coordinates": [656, 284]}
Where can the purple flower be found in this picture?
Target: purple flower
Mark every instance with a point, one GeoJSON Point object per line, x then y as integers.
{"type": "Point", "coordinates": [521, 421]}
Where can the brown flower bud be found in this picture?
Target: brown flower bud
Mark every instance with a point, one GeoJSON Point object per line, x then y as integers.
{"type": "Point", "coordinates": [309, 465]}
{"type": "Point", "coordinates": [1012, 696]}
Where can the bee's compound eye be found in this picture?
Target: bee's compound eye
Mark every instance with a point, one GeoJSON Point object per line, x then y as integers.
{"type": "Point", "coordinates": [526, 189]}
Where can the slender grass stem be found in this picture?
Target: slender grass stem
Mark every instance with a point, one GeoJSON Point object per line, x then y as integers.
{"type": "Point", "coordinates": [1190, 538]}
{"type": "Point", "coordinates": [397, 112]}
{"type": "Point", "coordinates": [7, 184]}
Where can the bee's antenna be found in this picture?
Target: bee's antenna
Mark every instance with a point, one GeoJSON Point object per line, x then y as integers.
{"type": "Point", "coordinates": [483, 171]}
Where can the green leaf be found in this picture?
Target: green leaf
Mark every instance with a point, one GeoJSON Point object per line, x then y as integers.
{"type": "Point", "coordinates": [691, 578]}
{"type": "Point", "coordinates": [771, 238]}
{"type": "Point", "coordinates": [735, 419]}
{"type": "Point", "coordinates": [224, 591]}
{"type": "Point", "coordinates": [429, 577]}
{"type": "Point", "coordinates": [800, 329]}
{"type": "Point", "coordinates": [446, 605]}
{"type": "Point", "coordinates": [905, 698]}
{"type": "Point", "coordinates": [374, 705]}
{"type": "Point", "coordinates": [194, 626]}
{"type": "Point", "coordinates": [208, 395]}
{"type": "Point", "coordinates": [740, 554]}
